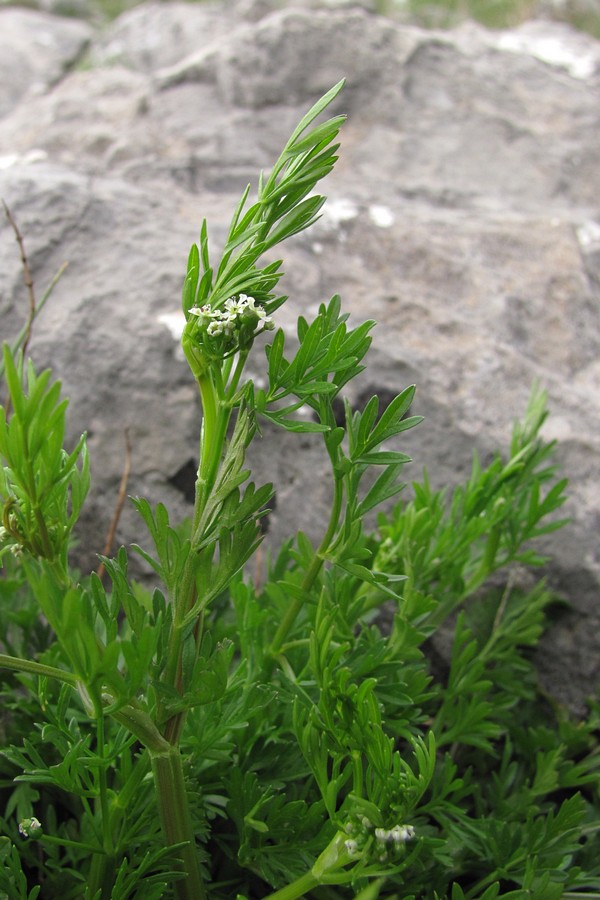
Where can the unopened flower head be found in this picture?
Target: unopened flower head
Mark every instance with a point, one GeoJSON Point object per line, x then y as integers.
{"type": "Point", "coordinates": [397, 835]}
{"type": "Point", "coordinates": [400, 834]}
{"type": "Point", "coordinates": [30, 827]}
{"type": "Point", "coordinates": [351, 846]}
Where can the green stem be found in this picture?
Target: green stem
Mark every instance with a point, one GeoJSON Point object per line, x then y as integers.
{"type": "Point", "coordinates": [309, 579]}
{"type": "Point", "coordinates": [176, 822]}
{"type": "Point", "coordinates": [139, 723]}
{"type": "Point", "coordinates": [34, 668]}
{"type": "Point", "coordinates": [65, 842]}
{"type": "Point", "coordinates": [235, 380]}
{"type": "Point", "coordinates": [101, 874]}
{"type": "Point", "coordinates": [166, 764]}
{"type": "Point", "coordinates": [216, 415]}
{"type": "Point", "coordinates": [127, 793]}
{"type": "Point", "coordinates": [296, 889]}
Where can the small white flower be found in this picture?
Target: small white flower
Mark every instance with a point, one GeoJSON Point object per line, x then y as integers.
{"type": "Point", "coordinates": [204, 312]}
{"type": "Point", "coordinates": [366, 823]}
{"type": "Point", "coordinates": [382, 835]}
{"type": "Point", "coordinates": [351, 846]}
{"type": "Point", "coordinates": [3, 533]}
{"type": "Point", "coordinates": [215, 328]}
{"type": "Point", "coordinates": [400, 834]}
{"type": "Point", "coordinates": [235, 307]}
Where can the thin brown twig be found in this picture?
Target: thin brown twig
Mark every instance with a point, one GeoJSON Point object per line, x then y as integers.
{"type": "Point", "coordinates": [26, 276]}
{"type": "Point", "coordinates": [121, 497]}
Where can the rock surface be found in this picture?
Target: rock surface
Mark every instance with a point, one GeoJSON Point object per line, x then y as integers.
{"type": "Point", "coordinates": [463, 216]}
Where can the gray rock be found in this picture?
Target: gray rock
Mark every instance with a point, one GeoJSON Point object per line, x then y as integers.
{"type": "Point", "coordinates": [157, 35]}
{"type": "Point", "coordinates": [463, 216]}
{"type": "Point", "coordinates": [36, 49]}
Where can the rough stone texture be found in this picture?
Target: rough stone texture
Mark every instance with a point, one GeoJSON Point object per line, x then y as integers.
{"type": "Point", "coordinates": [463, 216]}
{"type": "Point", "coordinates": [36, 50]}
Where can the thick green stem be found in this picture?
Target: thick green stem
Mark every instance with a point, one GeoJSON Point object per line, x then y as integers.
{"type": "Point", "coordinates": [101, 875]}
{"type": "Point", "coordinates": [176, 822]}
{"type": "Point", "coordinates": [215, 419]}
{"type": "Point", "coordinates": [216, 415]}
{"type": "Point", "coordinates": [296, 889]}
{"type": "Point", "coordinates": [166, 764]}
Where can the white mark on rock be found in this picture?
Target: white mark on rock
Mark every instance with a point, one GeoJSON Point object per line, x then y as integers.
{"type": "Point", "coordinates": [13, 159]}
{"type": "Point", "coordinates": [382, 216]}
{"type": "Point", "coordinates": [174, 322]}
{"type": "Point", "coordinates": [588, 236]}
{"type": "Point", "coordinates": [337, 211]}
{"type": "Point", "coordinates": [553, 50]}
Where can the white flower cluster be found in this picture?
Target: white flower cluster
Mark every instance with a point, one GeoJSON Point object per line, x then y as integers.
{"type": "Point", "coordinates": [228, 320]}
{"type": "Point", "coordinates": [396, 836]}
{"type": "Point", "coordinates": [30, 827]}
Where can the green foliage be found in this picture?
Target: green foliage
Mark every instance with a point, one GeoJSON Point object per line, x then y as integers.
{"type": "Point", "coordinates": [213, 737]}
{"type": "Point", "coordinates": [42, 486]}
{"type": "Point", "coordinates": [491, 13]}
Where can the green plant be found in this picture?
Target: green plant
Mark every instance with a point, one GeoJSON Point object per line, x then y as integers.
{"type": "Point", "coordinates": [214, 738]}
{"type": "Point", "coordinates": [492, 13]}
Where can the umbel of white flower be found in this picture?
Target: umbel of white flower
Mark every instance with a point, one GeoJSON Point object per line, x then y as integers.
{"type": "Point", "coordinates": [240, 318]}
{"type": "Point", "coordinates": [215, 334]}
{"type": "Point", "coordinates": [385, 839]}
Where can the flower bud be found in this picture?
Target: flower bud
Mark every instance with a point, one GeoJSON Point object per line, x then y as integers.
{"type": "Point", "coordinates": [30, 828]}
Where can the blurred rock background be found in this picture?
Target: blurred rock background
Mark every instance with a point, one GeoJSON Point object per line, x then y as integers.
{"type": "Point", "coordinates": [463, 215]}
